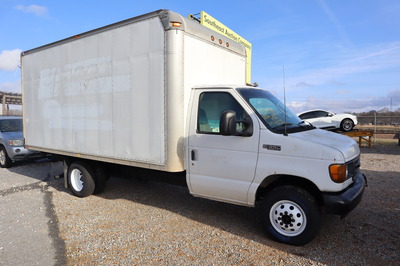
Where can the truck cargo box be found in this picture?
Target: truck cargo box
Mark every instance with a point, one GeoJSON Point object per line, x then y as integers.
{"type": "Point", "coordinates": [120, 93]}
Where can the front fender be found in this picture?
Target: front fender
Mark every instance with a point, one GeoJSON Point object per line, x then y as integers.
{"type": "Point", "coordinates": [308, 171]}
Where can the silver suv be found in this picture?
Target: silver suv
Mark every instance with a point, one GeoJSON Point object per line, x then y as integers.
{"type": "Point", "coordinates": [12, 142]}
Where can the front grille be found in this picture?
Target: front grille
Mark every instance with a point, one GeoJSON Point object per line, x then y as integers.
{"type": "Point", "coordinates": [353, 168]}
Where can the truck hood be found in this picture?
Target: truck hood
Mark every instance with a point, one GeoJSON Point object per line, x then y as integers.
{"type": "Point", "coordinates": [344, 144]}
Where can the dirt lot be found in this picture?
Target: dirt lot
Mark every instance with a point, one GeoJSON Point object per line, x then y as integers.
{"type": "Point", "coordinates": [136, 222]}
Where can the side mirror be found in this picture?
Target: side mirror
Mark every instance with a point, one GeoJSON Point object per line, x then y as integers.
{"type": "Point", "coordinates": [229, 125]}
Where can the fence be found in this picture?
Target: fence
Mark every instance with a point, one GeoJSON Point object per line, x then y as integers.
{"type": "Point", "coordinates": [385, 128]}
{"type": "Point", "coordinates": [379, 120]}
{"type": "Point", "coordinates": [6, 99]}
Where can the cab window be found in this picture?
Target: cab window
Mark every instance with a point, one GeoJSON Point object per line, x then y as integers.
{"type": "Point", "coordinates": [211, 106]}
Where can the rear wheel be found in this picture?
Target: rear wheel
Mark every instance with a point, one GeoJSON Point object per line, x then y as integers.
{"type": "Point", "coordinates": [5, 160]}
{"type": "Point", "coordinates": [290, 215]}
{"type": "Point", "coordinates": [347, 125]}
{"type": "Point", "coordinates": [81, 179]}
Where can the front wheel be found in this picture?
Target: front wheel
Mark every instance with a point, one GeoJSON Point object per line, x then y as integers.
{"type": "Point", "coordinates": [5, 160]}
{"type": "Point", "coordinates": [290, 215]}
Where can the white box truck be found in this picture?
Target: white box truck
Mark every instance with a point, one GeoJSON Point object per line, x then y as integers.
{"type": "Point", "coordinates": [153, 92]}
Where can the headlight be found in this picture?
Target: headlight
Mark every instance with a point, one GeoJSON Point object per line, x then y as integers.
{"type": "Point", "coordinates": [338, 172]}
{"type": "Point", "coordinates": [16, 142]}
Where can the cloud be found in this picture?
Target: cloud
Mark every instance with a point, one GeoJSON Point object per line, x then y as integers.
{"type": "Point", "coordinates": [11, 86]}
{"type": "Point", "coordinates": [303, 84]}
{"type": "Point", "coordinates": [377, 59]}
{"type": "Point", "coordinates": [350, 105]}
{"type": "Point", "coordinates": [37, 10]}
{"type": "Point", "coordinates": [395, 94]}
{"type": "Point", "coordinates": [338, 69]}
{"type": "Point", "coordinates": [9, 59]}
{"type": "Point", "coordinates": [328, 11]}
{"type": "Point", "coordinates": [337, 83]}
{"type": "Point", "coordinates": [342, 92]}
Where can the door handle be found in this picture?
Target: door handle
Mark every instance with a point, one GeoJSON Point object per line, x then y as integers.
{"type": "Point", "coordinates": [193, 155]}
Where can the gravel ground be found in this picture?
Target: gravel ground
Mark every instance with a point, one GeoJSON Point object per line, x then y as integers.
{"type": "Point", "coordinates": [136, 222]}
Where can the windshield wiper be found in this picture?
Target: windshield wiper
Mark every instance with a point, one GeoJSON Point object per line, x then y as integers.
{"type": "Point", "coordinates": [303, 124]}
{"type": "Point", "coordinates": [283, 125]}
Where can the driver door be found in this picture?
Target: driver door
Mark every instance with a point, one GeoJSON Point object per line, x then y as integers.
{"type": "Point", "coordinates": [220, 167]}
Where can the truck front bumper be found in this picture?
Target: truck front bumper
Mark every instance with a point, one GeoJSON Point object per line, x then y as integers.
{"type": "Point", "coordinates": [343, 202]}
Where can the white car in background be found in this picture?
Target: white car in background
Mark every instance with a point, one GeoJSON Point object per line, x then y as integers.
{"type": "Point", "coordinates": [328, 120]}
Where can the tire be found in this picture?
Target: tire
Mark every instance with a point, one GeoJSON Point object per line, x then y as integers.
{"type": "Point", "coordinates": [346, 125]}
{"type": "Point", "coordinates": [290, 215]}
{"type": "Point", "coordinates": [5, 160]}
{"type": "Point", "coordinates": [81, 179]}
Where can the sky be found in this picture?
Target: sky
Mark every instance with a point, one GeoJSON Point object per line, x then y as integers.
{"type": "Point", "coordinates": [337, 55]}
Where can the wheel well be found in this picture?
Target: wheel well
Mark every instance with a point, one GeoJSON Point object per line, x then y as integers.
{"type": "Point", "coordinates": [279, 180]}
{"type": "Point", "coordinates": [67, 163]}
{"type": "Point", "coordinates": [347, 118]}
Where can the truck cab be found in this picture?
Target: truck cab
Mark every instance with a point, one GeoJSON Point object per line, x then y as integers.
{"type": "Point", "coordinates": [244, 147]}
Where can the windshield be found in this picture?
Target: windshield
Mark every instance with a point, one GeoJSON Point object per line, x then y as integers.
{"type": "Point", "coordinates": [272, 111]}
{"type": "Point", "coordinates": [11, 125]}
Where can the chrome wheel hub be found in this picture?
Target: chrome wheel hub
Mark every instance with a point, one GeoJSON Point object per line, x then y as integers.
{"type": "Point", "coordinates": [288, 218]}
{"type": "Point", "coordinates": [76, 180]}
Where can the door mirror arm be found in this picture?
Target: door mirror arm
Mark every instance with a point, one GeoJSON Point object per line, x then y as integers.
{"type": "Point", "coordinates": [248, 125]}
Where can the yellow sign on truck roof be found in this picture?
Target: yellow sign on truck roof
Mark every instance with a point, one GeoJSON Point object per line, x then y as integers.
{"type": "Point", "coordinates": [211, 23]}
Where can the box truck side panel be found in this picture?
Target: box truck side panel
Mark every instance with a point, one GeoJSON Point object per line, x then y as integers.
{"type": "Point", "coordinates": [100, 95]}
{"type": "Point", "coordinates": [208, 64]}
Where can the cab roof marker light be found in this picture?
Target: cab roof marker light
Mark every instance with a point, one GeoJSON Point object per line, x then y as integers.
{"type": "Point", "coordinates": [176, 24]}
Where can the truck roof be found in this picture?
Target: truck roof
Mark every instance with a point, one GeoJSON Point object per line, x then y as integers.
{"type": "Point", "coordinates": [169, 19]}
{"type": "Point", "coordinates": [224, 86]}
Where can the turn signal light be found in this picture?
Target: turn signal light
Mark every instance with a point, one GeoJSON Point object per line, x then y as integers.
{"type": "Point", "coordinates": [338, 172]}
